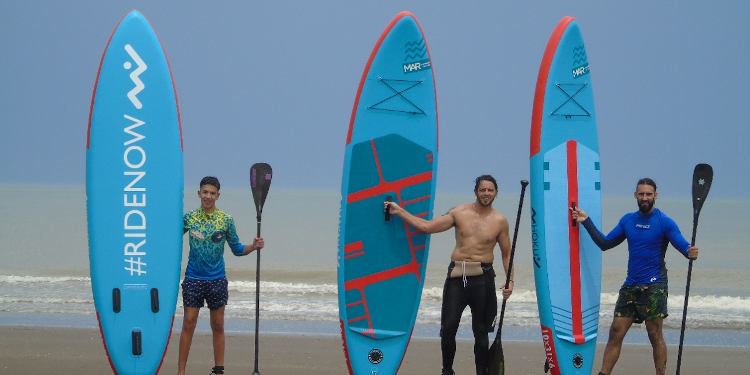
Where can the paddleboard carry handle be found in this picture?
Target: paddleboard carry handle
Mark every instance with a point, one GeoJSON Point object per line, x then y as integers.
{"type": "Point", "coordinates": [573, 221]}
{"type": "Point", "coordinates": [154, 300]}
{"type": "Point", "coordinates": [387, 209]}
{"type": "Point", "coordinates": [116, 305]}
{"type": "Point", "coordinates": [137, 342]}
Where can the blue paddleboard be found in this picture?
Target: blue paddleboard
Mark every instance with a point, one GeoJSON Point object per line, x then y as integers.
{"type": "Point", "coordinates": [391, 150]}
{"type": "Point", "coordinates": [134, 189]}
{"type": "Point", "coordinates": [565, 172]}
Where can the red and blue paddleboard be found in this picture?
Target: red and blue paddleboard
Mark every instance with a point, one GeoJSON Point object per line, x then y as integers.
{"type": "Point", "coordinates": [134, 190]}
{"type": "Point", "coordinates": [565, 172]}
{"type": "Point", "coordinates": [391, 152]}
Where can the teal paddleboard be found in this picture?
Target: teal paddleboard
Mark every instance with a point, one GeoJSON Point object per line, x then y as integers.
{"type": "Point", "coordinates": [391, 151]}
{"type": "Point", "coordinates": [134, 190]}
{"type": "Point", "coordinates": [565, 172]}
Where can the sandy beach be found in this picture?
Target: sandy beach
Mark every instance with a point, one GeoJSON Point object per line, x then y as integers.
{"type": "Point", "coordinates": [63, 351]}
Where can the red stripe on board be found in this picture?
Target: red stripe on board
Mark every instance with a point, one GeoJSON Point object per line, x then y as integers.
{"type": "Point", "coordinates": [356, 319]}
{"type": "Point", "coordinates": [392, 273]}
{"type": "Point", "coordinates": [354, 255]}
{"type": "Point", "coordinates": [96, 85]}
{"type": "Point", "coordinates": [367, 70]}
{"type": "Point", "coordinates": [415, 200]}
{"type": "Point", "coordinates": [355, 303]}
{"type": "Point", "coordinates": [384, 187]}
{"type": "Point", "coordinates": [549, 348]}
{"type": "Point", "coordinates": [354, 246]}
{"type": "Point", "coordinates": [104, 342]}
{"type": "Point", "coordinates": [575, 246]}
{"type": "Point", "coordinates": [346, 347]}
{"type": "Point", "coordinates": [377, 159]}
{"type": "Point", "coordinates": [541, 84]}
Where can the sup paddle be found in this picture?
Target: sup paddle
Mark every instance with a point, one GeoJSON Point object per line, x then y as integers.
{"type": "Point", "coordinates": [703, 176]}
{"type": "Point", "coordinates": [260, 181]}
{"type": "Point", "coordinates": [496, 365]}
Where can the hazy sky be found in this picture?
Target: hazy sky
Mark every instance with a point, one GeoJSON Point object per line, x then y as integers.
{"type": "Point", "coordinates": [275, 81]}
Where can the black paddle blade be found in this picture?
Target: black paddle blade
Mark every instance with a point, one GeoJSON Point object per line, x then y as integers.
{"type": "Point", "coordinates": [703, 175]}
{"type": "Point", "coordinates": [496, 359]}
{"type": "Point", "coordinates": [260, 181]}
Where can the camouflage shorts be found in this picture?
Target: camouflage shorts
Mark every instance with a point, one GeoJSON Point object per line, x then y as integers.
{"type": "Point", "coordinates": [642, 302]}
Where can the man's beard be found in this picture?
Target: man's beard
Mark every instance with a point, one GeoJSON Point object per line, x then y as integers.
{"type": "Point", "coordinates": [489, 204]}
{"type": "Point", "coordinates": [645, 206]}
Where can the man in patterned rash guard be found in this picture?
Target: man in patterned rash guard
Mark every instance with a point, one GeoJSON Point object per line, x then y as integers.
{"type": "Point", "coordinates": [205, 277]}
{"type": "Point", "coordinates": [643, 296]}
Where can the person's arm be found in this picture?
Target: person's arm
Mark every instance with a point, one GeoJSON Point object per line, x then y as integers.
{"type": "Point", "coordinates": [438, 224]}
{"type": "Point", "coordinates": [678, 241]}
{"type": "Point", "coordinates": [233, 240]}
{"type": "Point", "coordinates": [258, 244]}
{"type": "Point", "coordinates": [503, 241]}
{"type": "Point", "coordinates": [614, 238]}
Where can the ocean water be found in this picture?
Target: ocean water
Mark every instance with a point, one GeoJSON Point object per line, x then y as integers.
{"type": "Point", "coordinates": [44, 276]}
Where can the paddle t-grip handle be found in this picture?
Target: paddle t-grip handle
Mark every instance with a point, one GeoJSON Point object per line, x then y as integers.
{"type": "Point", "coordinates": [387, 209]}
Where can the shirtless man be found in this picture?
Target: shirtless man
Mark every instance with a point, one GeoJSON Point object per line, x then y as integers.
{"type": "Point", "coordinates": [471, 278]}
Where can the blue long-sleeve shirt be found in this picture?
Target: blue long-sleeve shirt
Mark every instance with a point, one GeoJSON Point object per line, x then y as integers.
{"type": "Point", "coordinates": [648, 238]}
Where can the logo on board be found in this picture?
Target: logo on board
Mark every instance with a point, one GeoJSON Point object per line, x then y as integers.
{"type": "Point", "coordinates": [140, 67]}
{"type": "Point", "coordinates": [415, 57]}
{"type": "Point", "coordinates": [134, 189]}
{"type": "Point", "coordinates": [580, 62]}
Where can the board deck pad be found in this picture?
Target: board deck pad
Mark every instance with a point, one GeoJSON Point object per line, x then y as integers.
{"type": "Point", "coordinates": [391, 152]}
{"type": "Point", "coordinates": [565, 172]}
{"type": "Point", "coordinates": [134, 189]}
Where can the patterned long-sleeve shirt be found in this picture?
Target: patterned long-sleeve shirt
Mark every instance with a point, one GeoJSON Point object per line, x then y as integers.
{"type": "Point", "coordinates": [208, 233]}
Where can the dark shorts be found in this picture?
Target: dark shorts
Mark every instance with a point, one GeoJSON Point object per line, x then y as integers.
{"type": "Point", "coordinates": [214, 292]}
{"type": "Point", "coordinates": [642, 302]}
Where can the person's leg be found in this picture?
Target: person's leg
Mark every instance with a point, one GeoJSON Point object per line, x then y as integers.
{"type": "Point", "coordinates": [450, 316]}
{"type": "Point", "coordinates": [654, 329]}
{"type": "Point", "coordinates": [477, 295]}
{"type": "Point", "coordinates": [653, 308]}
{"type": "Point", "coordinates": [189, 321]}
{"type": "Point", "coordinates": [617, 331]}
{"type": "Point", "coordinates": [217, 330]}
{"type": "Point", "coordinates": [624, 316]}
{"type": "Point", "coordinates": [217, 301]}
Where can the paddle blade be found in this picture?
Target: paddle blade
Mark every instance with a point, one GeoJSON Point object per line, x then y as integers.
{"type": "Point", "coordinates": [260, 181]}
{"type": "Point", "coordinates": [496, 364]}
{"type": "Point", "coordinates": [703, 175]}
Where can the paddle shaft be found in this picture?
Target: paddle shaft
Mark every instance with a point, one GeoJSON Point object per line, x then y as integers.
{"type": "Point", "coordinates": [260, 182]}
{"type": "Point", "coordinates": [687, 293]}
{"type": "Point", "coordinates": [703, 176]}
{"type": "Point", "coordinates": [257, 299]}
{"type": "Point", "coordinates": [512, 255]}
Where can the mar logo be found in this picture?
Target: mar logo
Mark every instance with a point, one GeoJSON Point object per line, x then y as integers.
{"type": "Point", "coordinates": [415, 57]}
{"type": "Point", "coordinates": [580, 62]}
{"type": "Point", "coordinates": [140, 67]}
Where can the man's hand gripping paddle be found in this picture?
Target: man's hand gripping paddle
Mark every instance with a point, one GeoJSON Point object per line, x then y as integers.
{"type": "Point", "coordinates": [496, 364]}
{"type": "Point", "coordinates": [260, 181]}
{"type": "Point", "coordinates": [703, 176]}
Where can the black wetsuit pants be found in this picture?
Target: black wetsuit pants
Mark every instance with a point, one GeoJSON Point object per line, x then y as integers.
{"type": "Point", "coordinates": [479, 295]}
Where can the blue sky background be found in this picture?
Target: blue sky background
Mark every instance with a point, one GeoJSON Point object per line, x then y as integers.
{"type": "Point", "coordinates": [275, 81]}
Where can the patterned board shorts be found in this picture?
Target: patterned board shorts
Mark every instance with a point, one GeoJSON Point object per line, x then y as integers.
{"type": "Point", "coordinates": [642, 302]}
{"type": "Point", "coordinates": [214, 292]}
